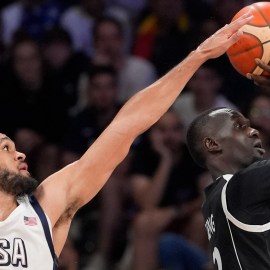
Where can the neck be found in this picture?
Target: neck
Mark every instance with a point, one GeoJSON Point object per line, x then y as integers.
{"type": "Point", "coordinates": [219, 168]}
{"type": "Point", "coordinates": [8, 204]}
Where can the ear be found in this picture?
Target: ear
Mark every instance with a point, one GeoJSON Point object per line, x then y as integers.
{"type": "Point", "coordinates": [211, 145]}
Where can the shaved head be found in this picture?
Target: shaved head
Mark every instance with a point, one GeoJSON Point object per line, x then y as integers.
{"type": "Point", "coordinates": [207, 124]}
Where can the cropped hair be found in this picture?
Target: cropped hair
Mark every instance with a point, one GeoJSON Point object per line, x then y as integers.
{"type": "Point", "coordinates": [195, 133]}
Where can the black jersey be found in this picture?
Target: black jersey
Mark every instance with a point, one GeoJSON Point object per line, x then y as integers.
{"type": "Point", "coordinates": [237, 219]}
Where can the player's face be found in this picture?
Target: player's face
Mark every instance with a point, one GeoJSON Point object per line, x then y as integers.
{"type": "Point", "coordinates": [10, 159]}
{"type": "Point", "coordinates": [240, 142]}
{"type": "Point", "coordinates": [14, 176]}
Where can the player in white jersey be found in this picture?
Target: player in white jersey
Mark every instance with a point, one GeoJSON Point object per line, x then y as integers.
{"type": "Point", "coordinates": [27, 230]}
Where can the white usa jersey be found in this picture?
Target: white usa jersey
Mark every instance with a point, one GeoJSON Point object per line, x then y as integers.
{"type": "Point", "coordinates": [24, 241]}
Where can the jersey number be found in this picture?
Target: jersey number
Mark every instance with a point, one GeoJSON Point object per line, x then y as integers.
{"type": "Point", "coordinates": [217, 258]}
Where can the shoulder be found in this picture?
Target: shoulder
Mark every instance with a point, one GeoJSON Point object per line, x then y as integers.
{"type": "Point", "coordinates": [12, 9]}
{"type": "Point", "coordinates": [258, 168]}
{"type": "Point", "coordinates": [138, 63]}
{"type": "Point", "coordinates": [254, 177]}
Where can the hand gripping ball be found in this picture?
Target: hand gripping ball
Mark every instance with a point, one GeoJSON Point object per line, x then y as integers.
{"type": "Point", "coordinates": [255, 42]}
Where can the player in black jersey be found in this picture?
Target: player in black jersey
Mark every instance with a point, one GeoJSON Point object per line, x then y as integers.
{"type": "Point", "coordinates": [237, 204]}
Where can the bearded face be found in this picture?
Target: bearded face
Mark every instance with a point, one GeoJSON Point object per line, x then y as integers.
{"type": "Point", "coordinates": [17, 184]}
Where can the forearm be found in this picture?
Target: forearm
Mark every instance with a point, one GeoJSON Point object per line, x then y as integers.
{"type": "Point", "coordinates": [140, 112]}
{"type": "Point", "coordinates": [148, 105]}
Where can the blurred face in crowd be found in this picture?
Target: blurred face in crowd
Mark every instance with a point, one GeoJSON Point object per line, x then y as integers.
{"type": "Point", "coordinates": [108, 39]}
{"type": "Point", "coordinates": [102, 91]}
{"type": "Point", "coordinates": [205, 83]}
{"type": "Point", "coordinates": [171, 130]}
{"type": "Point", "coordinates": [259, 116]}
{"type": "Point", "coordinates": [260, 113]}
{"type": "Point", "coordinates": [27, 61]}
{"type": "Point", "coordinates": [56, 54]}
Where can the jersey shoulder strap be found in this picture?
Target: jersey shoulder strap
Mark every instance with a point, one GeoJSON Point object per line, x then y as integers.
{"type": "Point", "coordinates": [35, 204]}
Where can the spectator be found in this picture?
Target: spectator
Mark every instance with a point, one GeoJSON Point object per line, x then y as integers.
{"type": "Point", "coordinates": [134, 73]}
{"type": "Point", "coordinates": [115, 212]}
{"type": "Point", "coordinates": [203, 92]}
{"type": "Point", "coordinates": [161, 35]}
{"type": "Point", "coordinates": [64, 64]}
{"type": "Point", "coordinates": [79, 20]}
{"type": "Point", "coordinates": [259, 115]}
{"type": "Point", "coordinates": [109, 205]}
{"type": "Point", "coordinates": [235, 87]}
{"type": "Point", "coordinates": [100, 109]}
{"type": "Point", "coordinates": [37, 97]}
{"type": "Point", "coordinates": [33, 16]}
{"type": "Point", "coordinates": [164, 181]}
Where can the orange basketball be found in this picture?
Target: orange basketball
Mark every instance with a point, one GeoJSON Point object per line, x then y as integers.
{"type": "Point", "coordinates": [255, 42]}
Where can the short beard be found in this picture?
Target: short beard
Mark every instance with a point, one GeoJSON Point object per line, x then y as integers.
{"type": "Point", "coordinates": [16, 184]}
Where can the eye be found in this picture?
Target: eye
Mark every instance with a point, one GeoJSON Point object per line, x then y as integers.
{"type": "Point", "coordinates": [5, 147]}
{"type": "Point", "coordinates": [241, 126]}
{"type": "Point", "coordinates": [238, 126]}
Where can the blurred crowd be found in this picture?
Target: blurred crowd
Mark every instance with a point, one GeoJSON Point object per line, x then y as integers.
{"type": "Point", "coordinates": [66, 68]}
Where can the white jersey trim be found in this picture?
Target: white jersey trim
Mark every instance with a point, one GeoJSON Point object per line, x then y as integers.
{"type": "Point", "coordinates": [236, 222]}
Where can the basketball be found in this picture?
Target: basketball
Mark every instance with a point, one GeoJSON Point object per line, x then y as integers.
{"type": "Point", "coordinates": [255, 41]}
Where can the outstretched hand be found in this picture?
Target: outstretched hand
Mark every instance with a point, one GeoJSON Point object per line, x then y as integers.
{"type": "Point", "coordinates": [224, 38]}
{"type": "Point", "coordinates": [262, 81]}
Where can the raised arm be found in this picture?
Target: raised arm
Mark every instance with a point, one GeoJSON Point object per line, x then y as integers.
{"type": "Point", "coordinates": [70, 188]}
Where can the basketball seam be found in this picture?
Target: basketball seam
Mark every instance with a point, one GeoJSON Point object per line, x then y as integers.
{"type": "Point", "coordinates": [265, 19]}
{"type": "Point", "coordinates": [262, 14]}
{"type": "Point", "coordinates": [256, 42]}
{"type": "Point", "coordinates": [250, 48]}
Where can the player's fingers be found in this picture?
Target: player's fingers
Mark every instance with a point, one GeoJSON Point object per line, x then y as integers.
{"type": "Point", "coordinates": [238, 23]}
{"type": "Point", "coordinates": [234, 38]}
{"type": "Point", "coordinates": [262, 65]}
{"type": "Point", "coordinates": [261, 81]}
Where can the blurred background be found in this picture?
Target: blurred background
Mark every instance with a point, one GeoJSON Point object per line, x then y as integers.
{"type": "Point", "coordinates": [67, 67]}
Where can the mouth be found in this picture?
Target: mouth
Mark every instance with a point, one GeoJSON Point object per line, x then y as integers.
{"type": "Point", "coordinates": [258, 146]}
{"type": "Point", "coordinates": [23, 167]}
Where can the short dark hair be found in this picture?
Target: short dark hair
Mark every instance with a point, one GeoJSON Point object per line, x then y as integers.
{"type": "Point", "coordinates": [195, 132]}
{"type": "Point", "coordinates": [56, 34]}
{"type": "Point", "coordinates": [97, 69]}
{"type": "Point", "coordinates": [107, 19]}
